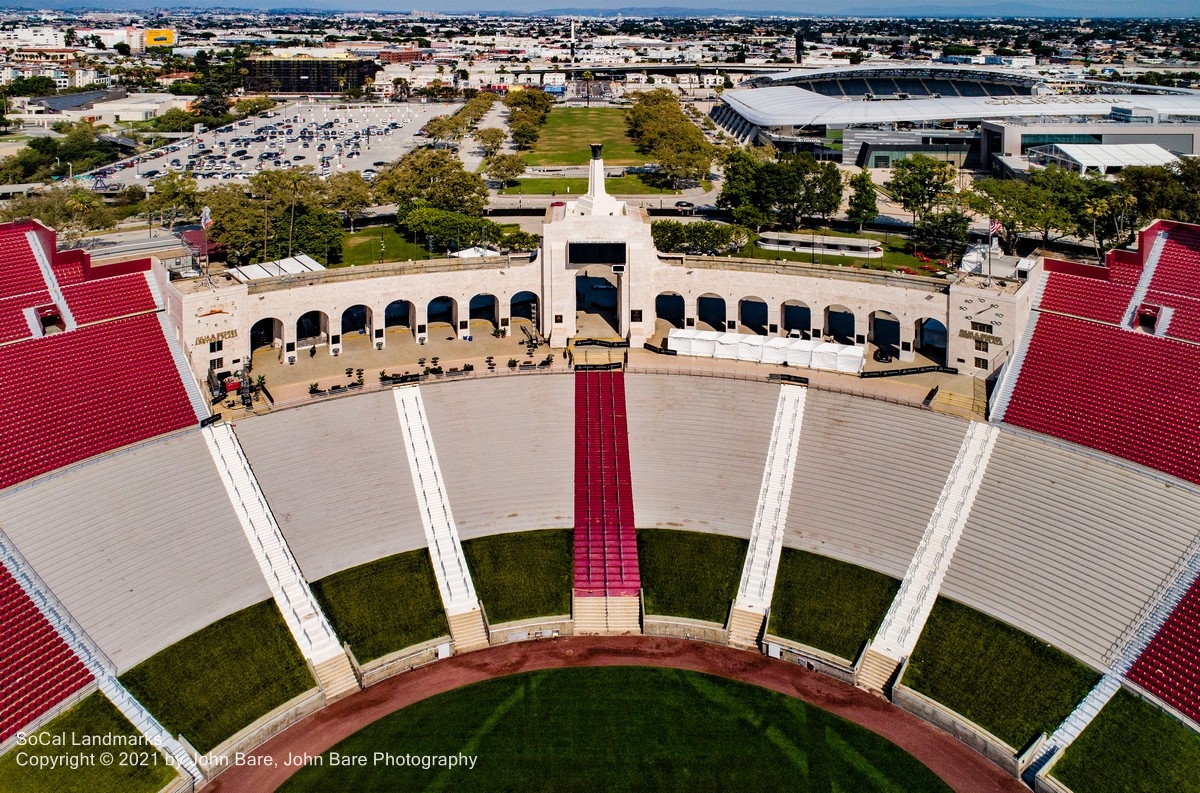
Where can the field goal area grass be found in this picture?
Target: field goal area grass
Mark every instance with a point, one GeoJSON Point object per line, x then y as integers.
{"type": "Point", "coordinates": [1132, 746]}
{"type": "Point", "coordinates": [93, 716]}
{"type": "Point", "coordinates": [1006, 681]}
{"type": "Point", "coordinates": [568, 131]}
{"type": "Point", "coordinates": [689, 574]}
{"type": "Point", "coordinates": [384, 606]}
{"type": "Point", "coordinates": [379, 243]}
{"type": "Point", "coordinates": [211, 684]}
{"type": "Point", "coordinates": [621, 728]}
{"type": "Point", "coordinates": [828, 604]}
{"type": "Point", "coordinates": [522, 575]}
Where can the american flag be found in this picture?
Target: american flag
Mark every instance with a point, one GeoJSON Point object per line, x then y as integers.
{"type": "Point", "coordinates": [996, 227]}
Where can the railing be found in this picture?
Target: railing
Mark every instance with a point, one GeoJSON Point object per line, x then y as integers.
{"type": "Point", "coordinates": [825, 271]}
{"type": "Point", "coordinates": [362, 272]}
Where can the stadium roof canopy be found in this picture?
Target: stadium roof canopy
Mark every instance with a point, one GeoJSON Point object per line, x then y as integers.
{"type": "Point", "coordinates": [293, 265]}
{"type": "Point", "coordinates": [792, 106]}
{"type": "Point", "coordinates": [1104, 157]}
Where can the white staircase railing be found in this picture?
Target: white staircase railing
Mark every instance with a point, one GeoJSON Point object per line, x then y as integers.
{"type": "Point", "coordinates": [445, 548]}
{"type": "Point", "coordinates": [1143, 284]}
{"type": "Point", "coordinates": [906, 617]}
{"type": "Point", "coordinates": [43, 261]}
{"type": "Point", "coordinates": [305, 621]}
{"type": "Point", "coordinates": [200, 405]}
{"type": "Point", "coordinates": [1075, 723]}
{"type": "Point", "coordinates": [774, 496]}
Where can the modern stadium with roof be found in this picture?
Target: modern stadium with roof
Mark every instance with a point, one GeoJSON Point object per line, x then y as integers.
{"type": "Point", "coordinates": [843, 113]}
{"type": "Point", "coordinates": [1020, 572]}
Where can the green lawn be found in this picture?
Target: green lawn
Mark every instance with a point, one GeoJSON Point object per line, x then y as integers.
{"type": "Point", "coordinates": [1004, 680]}
{"type": "Point", "coordinates": [362, 247]}
{"type": "Point", "coordinates": [522, 575]}
{"type": "Point", "coordinates": [95, 715]}
{"type": "Point", "coordinates": [620, 729]}
{"type": "Point", "coordinates": [1132, 747]}
{"type": "Point", "coordinates": [689, 574]}
{"type": "Point", "coordinates": [568, 131]}
{"type": "Point", "coordinates": [222, 677]}
{"type": "Point", "coordinates": [384, 606]}
{"type": "Point", "coordinates": [827, 604]}
{"type": "Point", "coordinates": [894, 255]}
{"type": "Point", "coordinates": [632, 184]}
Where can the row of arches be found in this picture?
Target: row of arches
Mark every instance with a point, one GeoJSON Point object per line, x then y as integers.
{"type": "Point", "coordinates": [314, 328]}
{"type": "Point", "coordinates": [836, 321]}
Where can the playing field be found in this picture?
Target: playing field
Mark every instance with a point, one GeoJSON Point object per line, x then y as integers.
{"type": "Point", "coordinates": [632, 184]}
{"type": "Point", "coordinates": [617, 728]}
{"type": "Point", "coordinates": [568, 131]}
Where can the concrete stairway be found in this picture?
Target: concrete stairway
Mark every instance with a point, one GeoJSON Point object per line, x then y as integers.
{"type": "Point", "coordinates": [624, 614]}
{"type": "Point", "coordinates": [1143, 284]}
{"type": "Point", "coordinates": [745, 628]}
{"type": "Point", "coordinates": [1088, 708]}
{"type": "Point", "coordinates": [312, 632]}
{"type": "Point", "coordinates": [590, 614]}
{"type": "Point", "coordinates": [874, 672]}
{"type": "Point", "coordinates": [770, 516]}
{"type": "Point", "coordinates": [336, 677]}
{"type": "Point", "coordinates": [200, 405]}
{"type": "Point", "coordinates": [468, 631]}
{"type": "Point", "coordinates": [906, 617]}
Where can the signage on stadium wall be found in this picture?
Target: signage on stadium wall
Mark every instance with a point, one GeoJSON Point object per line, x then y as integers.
{"type": "Point", "coordinates": [979, 336]}
{"type": "Point", "coordinates": [225, 334]}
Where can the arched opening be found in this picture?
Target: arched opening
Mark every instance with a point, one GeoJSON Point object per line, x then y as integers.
{"type": "Point", "coordinates": [443, 311]}
{"type": "Point", "coordinates": [839, 324]}
{"type": "Point", "coordinates": [710, 312]}
{"type": "Point", "coordinates": [669, 307]}
{"type": "Point", "coordinates": [884, 332]}
{"type": "Point", "coordinates": [523, 308]}
{"type": "Point", "coordinates": [752, 314]}
{"type": "Point", "coordinates": [795, 315]}
{"type": "Point", "coordinates": [312, 329]}
{"type": "Point", "coordinates": [399, 314]}
{"type": "Point", "coordinates": [357, 319]}
{"type": "Point", "coordinates": [485, 311]}
{"type": "Point", "coordinates": [931, 340]}
{"type": "Point", "coordinates": [597, 302]}
{"type": "Point", "coordinates": [267, 332]}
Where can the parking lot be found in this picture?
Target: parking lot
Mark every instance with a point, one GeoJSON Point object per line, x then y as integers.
{"type": "Point", "coordinates": [331, 137]}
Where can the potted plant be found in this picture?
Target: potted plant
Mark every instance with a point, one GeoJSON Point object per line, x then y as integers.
{"type": "Point", "coordinates": [314, 389]}
{"type": "Point", "coordinates": [468, 367]}
{"type": "Point", "coordinates": [512, 363]}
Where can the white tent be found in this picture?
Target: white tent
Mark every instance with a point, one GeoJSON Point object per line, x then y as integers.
{"type": "Point", "coordinates": [775, 350]}
{"type": "Point", "coordinates": [799, 352]}
{"type": "Point", "coordinates": [850, 360]}
{"type": "Point", "coordinates": [824, 356]}
{"type": "Point", "coordinates": [751, 348]}
{"type": "Point", "coordinates": [681, 340]}
{"type": "Point", "coordinates": [475, 253]}
{"type": "Point", "coordinates": [705, 343]}
{"type": "Point", "coordinates": [727, 346]}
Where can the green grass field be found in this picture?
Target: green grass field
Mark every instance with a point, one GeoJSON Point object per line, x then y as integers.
{"type": "Point", "coordinates": [619, 729]}
{"type": "Point", "coordinates": [827, 604]}
{"type": "Point", "coordinates": [1006, 681]}
{"type": "Point", "coordinates": [213, 683]}
{"type": "Point", "coordinates": [95, 715]}
{"type": "Point", "coordinates": [384, 606]}
{"type": "Point", "coordinates": [1132, 747]}
{"type": "Point", "coordinates": [689, 574]}
{"type": "Point", "coordinates": [522, 575]}
{"type": "Point", "coordinates": [568, 131]}
{"type": "Point", "coordinates": [566, 187]}
{"type": "Point", "coordinates": [362, 247]}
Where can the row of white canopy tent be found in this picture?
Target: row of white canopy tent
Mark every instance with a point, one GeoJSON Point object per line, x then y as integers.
{"type": "Point", "coordinates": [775, 350]}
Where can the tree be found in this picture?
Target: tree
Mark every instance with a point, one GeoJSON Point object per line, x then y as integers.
{"type": "Point", "coordinates": [237, 222]}
{"type": "Point", "coordinates": [451, 229]}
{"type": "Point", "coordinates": [520, 241]}
{"type": "Point", "coordinates": [920, 183]}
{"type": "Point", "coordinates": [347, 192]}
{"type": "Point", "coordinates": [72, 211]}
{"type": "Point", "coordinates": [505, 167]}
{"type": "Point", "coordinates": [825, 190]}
{"type": "Point", "coordinates": [863, 205]}
{"type": "Point", "coordinates": [174, 195]}
{"type": "Point", "coordinates": [252, 106]}
{"type": "Point", "coordinates": [434, 178]}
{"type": "Point", "coordinates": [942, 234]}
{"type": "Point", "coordinates": [490, 139]}
{"type": "Point", "coordinates": [401, 89]}
{"type": "Point", "coordinates": [122, 49]}
{"type": "Point", "coordinates": [441, 128]}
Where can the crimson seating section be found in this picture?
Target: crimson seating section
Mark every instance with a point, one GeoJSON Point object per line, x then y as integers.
{"type": "Point", "coordinates": [1169, 667]}
{"type": "Point", "coordinates": [1086, 297]}
{"type": "Point", "coordinates": [38, 669]}
{"type": "Point", "coordinates": [107, 298]}
{"type": "Point", "coordinates": [84, 392]}
{"type": "Point", "coordinates": [68, 273]}
{"type": "Point", "coordinates": [13, 325]}
{"type": "Point", "coordinates": [605, 544]}
{"type": "Point", "coordinates": [1129, 394]}
{"type": "Point", "coordinates": [19, 273]}
{"type": "Point", "coordinates": [1178, 268]}
{"type": "Point", "coordinates": [1185, 322]}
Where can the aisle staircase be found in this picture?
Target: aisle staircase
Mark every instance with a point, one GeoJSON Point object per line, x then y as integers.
{"type": "Point", "coordinates": [313, 634]}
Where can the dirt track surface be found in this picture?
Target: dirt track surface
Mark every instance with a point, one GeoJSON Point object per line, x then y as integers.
{"type": "Point", "coordinates": [961, 768]}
